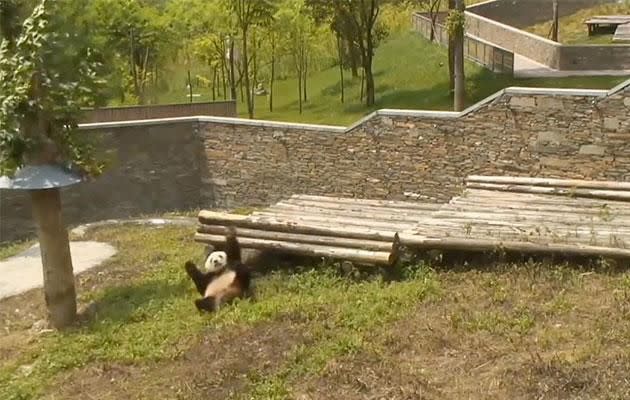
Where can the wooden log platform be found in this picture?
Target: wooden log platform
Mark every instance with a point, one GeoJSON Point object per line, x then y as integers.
{"type": "Point", "coordinates": [511, 214]}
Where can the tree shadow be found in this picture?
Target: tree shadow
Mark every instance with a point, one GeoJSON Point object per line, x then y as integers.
{"type": "Point", "coordinates": [119, 303]}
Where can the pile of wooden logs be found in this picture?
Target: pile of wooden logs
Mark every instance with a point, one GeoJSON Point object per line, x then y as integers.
{"type": "Point", "coordinates": [533, 215]}
{"type": "Point", "coordinates": [358, 230]}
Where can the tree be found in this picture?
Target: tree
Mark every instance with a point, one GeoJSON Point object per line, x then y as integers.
{"type": "Point", "coordinates": [45, 79]}
{"type": "Point", "coordinates": [555, 26]}
{"type": "Point", "coordinates": [249, 13]}
{"type": "Point", "coordinates": [299, 29]}
{"type": "Point", "coordinates": [357, 21]}
{"type": "Point", "coordinates": [456, 25]}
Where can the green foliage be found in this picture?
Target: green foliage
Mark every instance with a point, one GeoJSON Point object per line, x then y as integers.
{"type": "Point", "coordinates": [455, 22]}
{"type": "Point", "coordinates": [45, 79]}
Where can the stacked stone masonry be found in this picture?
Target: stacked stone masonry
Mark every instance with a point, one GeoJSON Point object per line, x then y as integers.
{"type": "Point", "coordinates": [222, 162]}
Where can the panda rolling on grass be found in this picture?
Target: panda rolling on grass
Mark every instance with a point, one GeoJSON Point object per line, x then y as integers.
{"type": "Point", "coordinates": [225, 278]}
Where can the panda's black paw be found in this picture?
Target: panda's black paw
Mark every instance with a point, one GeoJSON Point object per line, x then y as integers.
{"type": "Point", "coordinates": [190, 267]}
{"type": "Point", "coordinates": [206, 304]}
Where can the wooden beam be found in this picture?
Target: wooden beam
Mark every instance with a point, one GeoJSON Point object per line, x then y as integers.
{"type": "Point", "coordinates": [550, 182]}
{"type": "Point", "coordinates": [299, 238]}
{"type": "Point", "coordinates": [311, 250]}
{"type": "Point", "coordinates": [588, 193]}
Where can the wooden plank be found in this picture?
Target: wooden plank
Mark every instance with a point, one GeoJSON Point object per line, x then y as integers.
{"type": "Point", "coordinates": [517, 246]}
{"type": "Point", "coordinates": [374, 216]}
{"type": "Point", "coordinates": [358, 207]}
{"type": "Point", "coordinates": [329, 220]}
{"type": "Point", "coordinates": [299, 238]}
{"type": "Point", "coordinates": [311, 250]}
{"type": "Point", "coordinates": [588, 193]}
{"type": "Point", "coordinates": [385, 203]}
{"type": "Point", "coordinates": [207, 217]}
{"type": "Point", "coordinates": [550, 182]}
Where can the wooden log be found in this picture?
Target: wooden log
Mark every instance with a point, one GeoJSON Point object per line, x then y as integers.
{"type": "Point", "coordinates": [299, 238]}
{"type": "Point", "coordinates": [527, 198]}
{"type": "Point", "coordinates": [280, 225]}
{"type": "Point", "coordinates": [416, 205]}
{"type": "Point", "coordinates": [311, 250]}
{"type": "Point", "coordinates": [335, 220]}
{"type": "Point", "coordinates": [587, 193]}
{"type": "Point", "coordinates": [514, 246]}
{"type": "Point", "coordinates": [288, 209]}
{"type": "Point", "coordinates": [505, 206]}
{"type": "Point", "coordinates": [550, 182]}
{"type": "Point", "coordinates": [354, 207]}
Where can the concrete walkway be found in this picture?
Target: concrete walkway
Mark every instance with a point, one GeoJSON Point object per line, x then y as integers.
{"type": "Point", "coordinates": [24, 271]}
{"type": "Point", "coordinates": [528, 68]}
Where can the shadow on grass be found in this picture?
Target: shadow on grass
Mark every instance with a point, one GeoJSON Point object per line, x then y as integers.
{"type": "Point", "coordinates": [120, 303]}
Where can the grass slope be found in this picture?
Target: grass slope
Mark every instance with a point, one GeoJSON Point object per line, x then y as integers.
{"type": "Point", "coordinates": [410, 73]}
{"type": "Point", "coordinates": [519, 331]}
{"type": "Point", "coordinates": [574, 31]}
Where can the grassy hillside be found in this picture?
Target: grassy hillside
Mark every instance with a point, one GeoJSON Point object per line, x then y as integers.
{"type": "Point", "coordinates": [410, 73]}
{"type": "Point", "coordinates": [574, 31]}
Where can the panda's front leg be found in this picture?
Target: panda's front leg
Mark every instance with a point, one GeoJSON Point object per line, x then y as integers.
{"type": "Point", "coordinates": [200, 279]}
{"type": "Point", "coordinates": [209, 304]}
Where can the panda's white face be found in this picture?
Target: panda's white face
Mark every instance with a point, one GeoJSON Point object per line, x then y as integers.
{"type": "Point", "coordinates": [217, 260]}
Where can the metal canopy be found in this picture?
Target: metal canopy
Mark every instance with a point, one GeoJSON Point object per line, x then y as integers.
{"type": "Point", "coordinates": [33, 177]}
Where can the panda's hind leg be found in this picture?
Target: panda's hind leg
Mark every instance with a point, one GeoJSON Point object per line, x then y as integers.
{"type": "Point", "coordinates": [208, 304]}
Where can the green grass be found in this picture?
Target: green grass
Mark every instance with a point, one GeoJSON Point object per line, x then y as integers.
{"type": "Point", "coordinates": [146, 319]}
{"type": "Point", "coordinates": [410, 73]}
{"type": "Point", "coordinates": [328, 327]}
{"type": "Point", "coordinates": [573, 30]}
{"type": "Point", "coordinates": [14, 248]}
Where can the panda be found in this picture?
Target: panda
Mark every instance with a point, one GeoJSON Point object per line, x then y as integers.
{"type": "Point", "coordinates": [225, 278]}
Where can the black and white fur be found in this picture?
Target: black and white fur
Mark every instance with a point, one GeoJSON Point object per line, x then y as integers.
{"type": "Point", "coordinates": [225, 278]}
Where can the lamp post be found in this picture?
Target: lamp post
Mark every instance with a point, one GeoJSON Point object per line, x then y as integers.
{"type": "Point", "coordinates": [43, 183]}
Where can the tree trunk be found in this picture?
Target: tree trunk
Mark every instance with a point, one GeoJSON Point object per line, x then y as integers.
{"type": "Point", "coordinates": [223, 79]}
{"type": "Point", "coordinates": [59, 287]}
{"type": "Point", "coordinates": [362, 85]}
{"type": "Point", "coordinates": [300, 90]}
{"type": "Point", "coordinates": [215, 81]}
{"type": "Point", "coordinates": [248, 91]}
{"type": "Point", "coordinates": [451, 56]}
{"type": "Point", "coordinates": [340, 50]}
{"type": "Point", "coordinates": [555, 26]}
{"type": "Point", "coordinates": [305, 77]}
{"type": "Point", "coordinates": [273, 74]}
{"type": "Point", "coordinates": [190, 89]}
{"type": "Point", "coordinates": [232, 71]}
{"type": "Point", "coordinates": [460, 88]}
{"type": "Point", "coordinates": [354, 63]}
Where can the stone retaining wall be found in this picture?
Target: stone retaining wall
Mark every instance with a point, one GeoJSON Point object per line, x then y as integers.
{"type": "Point", "coordinates": [184, 163]}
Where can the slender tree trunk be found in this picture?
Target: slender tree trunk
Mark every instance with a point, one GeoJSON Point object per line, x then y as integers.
{"type": "Point", "coordinates": [555, 26]}
{"type": "Point", "coordinates": [305, 77]}
{"type": "Point", "coordinates": [273, 72]}
{"type": "Point", "coordinates": [362, 84]}
{"type": "Point", "coordinates": [340, 51]}
{"type": "Point", "coordinates": [223, 78]}
{"type": "Point", "coordinates": [214, 83]}
{"type": "Point", "coordinates": [248, 91]}
{"type": "Point", "coordinates": [451, 55]}
{"type": "Point", "coordinates": [190, 88]}
{"type": "Point", "coordinates": [300, 89]}
{"type": "Point", "coordinates": [232, 71]}
{"type": "Point", "coordinates": [59, 287]}
{"type": "Point", "coordinates": [460, 88]}
{"type": "Point", "coordinates": [433, 13]}
{"type": "Point", "coordinates": [369, 83]}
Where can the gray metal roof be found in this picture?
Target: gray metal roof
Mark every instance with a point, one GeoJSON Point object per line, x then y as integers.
{"type": "Point", "coordinates": [31, 177]}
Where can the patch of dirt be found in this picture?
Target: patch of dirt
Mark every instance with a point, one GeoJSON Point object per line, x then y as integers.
{"type": "Point", "coordinates": [577, 352]}
{"type": "Point", "coordinates": [218, 366]}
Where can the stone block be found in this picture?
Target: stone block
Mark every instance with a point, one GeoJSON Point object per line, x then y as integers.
{"type": "Point", "coordinates": [592, 150]}
{"type": "Point", "coordinates": [523, 101]}
{"type": "Point", "coordinates": [611, 123]}
{"type": "Point", "coordinates": [626, 101]}
{"type": "Point", "coordinates": [549, 103]}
